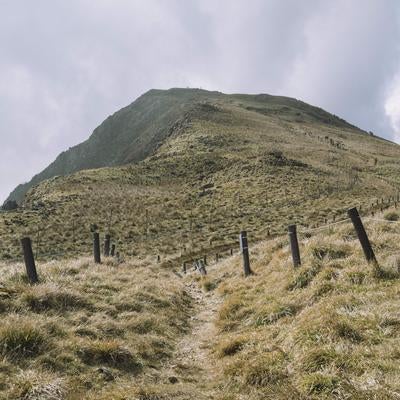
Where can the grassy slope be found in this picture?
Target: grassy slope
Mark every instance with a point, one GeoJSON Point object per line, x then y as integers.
{"type": "Point", "coordinates": [85, 328]}
{"type": "Point", "coordinates": [328, 330]}
{"type": "Point", "coordinates": [269, 161]}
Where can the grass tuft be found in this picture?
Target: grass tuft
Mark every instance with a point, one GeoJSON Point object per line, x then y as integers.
{"type": "Point", "coordinates": [20, 338]}
{"type": "Point", "coordinates": [110, 353]}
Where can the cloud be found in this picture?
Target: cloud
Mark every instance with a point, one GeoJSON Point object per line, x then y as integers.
{"type": "Point", "coordinates": [65, 66]}
{"type": "Point", "coordinates": [392, 107]}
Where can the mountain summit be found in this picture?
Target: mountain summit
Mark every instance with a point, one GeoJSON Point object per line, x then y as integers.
{"type": "Point", "coordinates": [136, 131]}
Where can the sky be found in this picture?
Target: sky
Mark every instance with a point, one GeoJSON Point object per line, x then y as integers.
{"type": "Point", "coordinates": [66, 65]}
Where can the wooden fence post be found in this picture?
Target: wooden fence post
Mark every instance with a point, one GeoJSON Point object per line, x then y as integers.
{"type": "Point", "coordinates": [158, 258]}
{"type": "Point", "coordinates": [184, 268]}
{"type": "Point", "coordinates": [201, 267]}
{"type": "Point", "coordinates": [112, 253]}
{"type": "Point", "coordinates": [217, 258]}
{"type": "Point", "coordinates": [107, 242]}
{"type": "Point", "coordinates": [96, 248]}
{"type": "Point", "coordinates": [294, 245]}
{"type": "Point", "coordinates": [205, 260]}
{"type": "Point", "coordinates": [29, 260]}
{"type": "Point", "coordinates": [362, 235]}
{"type": "Point", "coordinates": [231, 252]}
{"type": "Point", "coordinates": [244, 248]}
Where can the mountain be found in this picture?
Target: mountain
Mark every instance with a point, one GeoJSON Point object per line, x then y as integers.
{"type": "Point", "coordinates": [191, 168]}
{"type": "Point", "coordinates": [174, 177]}
{"type": "Point", "coordinates": [136, 131]}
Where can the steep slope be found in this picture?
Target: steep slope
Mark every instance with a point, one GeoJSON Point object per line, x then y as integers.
{"type": "Point", "coordinates": [223, 166]}
{"type": "Point", "coordinates": [134, 132]}
{"type": "Point", "coordinates": [129, 135]}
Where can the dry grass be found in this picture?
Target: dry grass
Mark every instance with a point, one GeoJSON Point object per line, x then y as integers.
{"type": "Point", "coordinates": [328, 330]}
{"type": "Point", "coordinates": [231, 167]}
{"type": "Point", "coordinates": [85, 328]}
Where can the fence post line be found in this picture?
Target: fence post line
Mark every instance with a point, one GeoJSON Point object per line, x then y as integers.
{"type": "Point", "coordinates": [96, 248]}
{"type": "Point", "coordinates": [294, 245]}
{"type": "Point", "coordinates": [107, 242]}
{"type": "Point", "coordinates": [29, 260]}
{"type": "Point", "coordinates": [244, 247]}
{"type": "Point", "coordinates": [112, 253]}
{"type": "Point", "coordinates": [361, 234]}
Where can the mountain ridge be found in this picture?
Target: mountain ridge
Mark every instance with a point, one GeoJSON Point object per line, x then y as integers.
{"type": "Point", "coordinates": [134, 132]}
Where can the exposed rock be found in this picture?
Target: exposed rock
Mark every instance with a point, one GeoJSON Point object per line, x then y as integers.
{"type": "Point", "coordinates": [10, 205]}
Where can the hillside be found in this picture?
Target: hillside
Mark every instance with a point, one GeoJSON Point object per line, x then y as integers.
{"type": "Point", "coordinates": [220, 163]}
{"type": "Point", "coordinates": [135, 132]}
{"type": "Point", "coordinates": [140, 331]}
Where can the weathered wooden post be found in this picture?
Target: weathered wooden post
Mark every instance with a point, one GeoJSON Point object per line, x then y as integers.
{"type": "Point", "coordinates": [244, 248]}
{"type": "Point", "coordinates": [29, 260]}
{"type": "Point", "coordinates": [201, 267]}
{"type": "Point", "coordinates": [107, 242]}
{"type": "Point", "coordinates": [217, 258]}
{"type": "Point", "coordinates": [362, 235]}
{"type": "Point", "coordinates": [205, 260]}
{"type": "Point", "coordinates": [184, 268]}
{"type": "Point", "coordinates": [294, 245]}
{"type": "Point", "coordinates": [112, 253]}
{"type": "Point", "coordinates": [96, 248]}
{"type": "Point", "coordinates": [231, 252]}
{"type": "Point", "coordinates": [158, 258]}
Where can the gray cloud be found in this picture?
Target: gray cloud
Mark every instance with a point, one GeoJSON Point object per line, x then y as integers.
{"type": "Point", "coordinates": [65, 66]}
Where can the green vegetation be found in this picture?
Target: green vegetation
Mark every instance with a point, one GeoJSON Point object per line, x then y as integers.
{"type": "Point", "coordinates": [220, 165]}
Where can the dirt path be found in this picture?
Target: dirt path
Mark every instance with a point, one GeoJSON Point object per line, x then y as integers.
{"type": "Point", "coordinates": [192, 363]}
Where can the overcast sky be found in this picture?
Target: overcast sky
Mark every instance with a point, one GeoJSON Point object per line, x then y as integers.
{"type": "Point", "coordinates": [65, 65]}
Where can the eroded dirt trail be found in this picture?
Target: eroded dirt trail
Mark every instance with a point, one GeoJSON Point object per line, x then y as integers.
{"type": "Point", "coordinates": [193, 362]}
